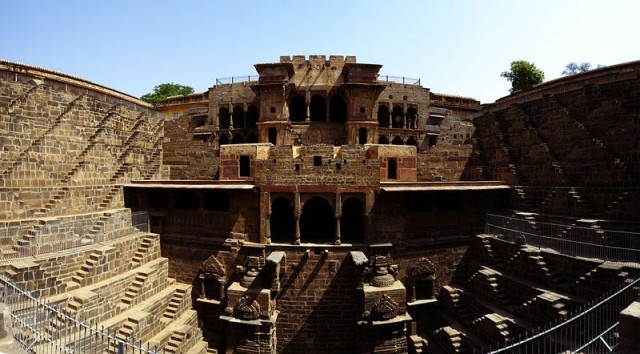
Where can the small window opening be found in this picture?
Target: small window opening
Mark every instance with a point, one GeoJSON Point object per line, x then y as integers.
{"type": "Point", "coordinates": [362, 110]}
{"type": "Point", "coordinates": [272, 109]}
{"type": "Point", "coordinates": [392, 166]}
{"type": "Point", "coordinates": [273, 135]}
{"type": "Point", "coordinates": [317, 161]}
{"type": "Point", "coordinates": [338, 167]}
{"type": "Point", "coordinates": [245, 166]}
{"type": "Point", "coordinates": [297, 167]}
{"type": "Point", "coordinates": [432, 140]}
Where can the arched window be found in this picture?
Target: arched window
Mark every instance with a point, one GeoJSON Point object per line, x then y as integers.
{"type": "Point", "coordinates": [297, 109]}
{"type": "Point", "coordinates": [397, 117]}
{"type": "Point", "coordinates": [383, 140]}
{"type": "Point", "coordinates": [282, 221]}
{"type": "Point", "coordinates": [317, 221]}
{"type": "Point", "coordinates": [253, 115]}
{"type": "Point", "coordinates": [383, 116]}
{"type": "Point", "coordinates": [412, 141]}
{"type": "Point", "coordinates": [318, 109]}
{"type": "Point", "coordinates": [412, 114]}
{"type": "Point", "coordinates": [352, 221]}
{"type": "Point", "coordinates": [238, 117]}
{"type": "Point", "coordinates": [337, 109]}
{"type": "Point", "coordinates": [224, 119]}
{"type": "Point", "coordinates": [397, 141]}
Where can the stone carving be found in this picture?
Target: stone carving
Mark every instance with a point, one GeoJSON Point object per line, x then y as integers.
{"type": "Point", "coordinates": [423, 269]}
{"type": "Point", "coordinates": [211, 266]}
{"type": "Point", "coordinates": [247, 309]}
{"type": "Point", "coordinates": [382, 273]}
{"type": "Point", "coordinates": [251, 271]}
{"type": "Point", "coordinates": [384, 309]}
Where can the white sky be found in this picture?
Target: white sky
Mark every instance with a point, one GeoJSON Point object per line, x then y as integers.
{"type": "Point", "coordinates": [454, 47]}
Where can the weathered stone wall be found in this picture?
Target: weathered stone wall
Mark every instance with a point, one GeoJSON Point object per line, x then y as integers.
{"type": "Point", "coordinates": [570, 144]}
{"type": "Point", "coordinates": [188, 158]}
{"type": "Point", "coordinates": [347, 165]}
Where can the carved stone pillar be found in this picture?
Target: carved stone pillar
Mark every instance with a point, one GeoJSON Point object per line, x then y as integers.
{"type": "Point", "coordinates": [231, 116]}
{"type": "Point", "coordinates": [296, 213]}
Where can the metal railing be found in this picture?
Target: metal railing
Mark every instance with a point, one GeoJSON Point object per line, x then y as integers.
{"type": "Point", "coordinates": [399, 79]}
{"type": "Point", "coordinates": [591, 328]}
{"type": "Point", "coordinates": [569, 239]}
{"type": "Point", "coordinates": [41, 327]}
{"type": "Point", "coordinates": [236, 79]}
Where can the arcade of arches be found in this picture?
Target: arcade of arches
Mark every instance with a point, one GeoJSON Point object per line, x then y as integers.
{"type": "Point", "coordinates": [317, 222]}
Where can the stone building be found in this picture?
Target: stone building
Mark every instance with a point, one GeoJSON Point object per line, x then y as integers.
{"type": "Point", "coordinates": [319, 206]}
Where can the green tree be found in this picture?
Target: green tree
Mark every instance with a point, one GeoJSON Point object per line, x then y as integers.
{"type": "Point", "coordinates": [575, 68]}
{"type": "Point", "coordinates": [165, 90]}
{"type": "Point", "coordinates": [523, 75]}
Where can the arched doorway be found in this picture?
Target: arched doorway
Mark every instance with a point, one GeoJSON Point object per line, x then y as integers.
{"type": "Point", "coordinates": [223, 118]}
{"type": "Point", "coordinates": [352, 221]}
{"type": "Point", "coordinates": [252, 116]}
{"type": "Point", "coordinates": [398, 117]}
{"type": "Point", "coordinates": [397, 141]}
{"type": "Point", "coordinates": [338, 109]}
{"type": "Point", "coordinates": [383, 116]}
{"type": "Point", "coordinates": [318, 109]}
{"type": "Point", "coordinates": [317, 221]}
{"type": "Point", "coordinates": [297, 109]}
{"type": "Point", "coordinates": [412, 113]}
{"type": "Point", "coordinates": [412, 141]}
{"type": "Point", "coordinates": [238, 117]}
{"type": "Point", "coordinates": [282, 221]}
{"type": "Point", "coordinates": [383, 140]}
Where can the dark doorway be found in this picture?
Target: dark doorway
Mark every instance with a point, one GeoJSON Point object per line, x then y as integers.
{"type": "Point", "coordinates": [383, 140]}
{"type": "Point", "coordinates": [237, 139]}
{"type": "Point", "coordinates": [317, 222]}
{"type": "Point", "coordinates": [252, 138]}
{"type": "Point", "coordinates": [297, 109]}
{"type": "Point", "coordinates": [338, 109]}
{"type": "Point", "coordinates": [282, 221]}
{"type": "Point", "coordinates": [318, 109]}
{"type": "Point", "coordinates": [245, 166]}
{"type": "Point", "coordinates": [273, 135]}
{"type": "Point", "coordinates": [238, 117]}
{"type": "Point", "coordinates": [252, 116]}
{"type": "Point", "coordinates": [412, 141]}
{"type": "Point", "coordinates": [362, 136]}
{"type": "Point", "coordinates": [159, 198]}
{"type": "Point", "coordinates": [223, 116]}
{"type": "Point", "coordinates": [216, 201]}
{"type": "Point", "coordinates": [398, 117]}
{"type": "Point", "coordinates": [383, 116]}
{"type": "Point", "coordinates": [392, 169]}
{"type": "Point", "coordinates": [397, 141]}
{"type": "Point", "coordinates": [352, 221]}
{"type": "Point", "coordinates": [224, 140]}
{"type": "Point", "coordinates": [187, 200]}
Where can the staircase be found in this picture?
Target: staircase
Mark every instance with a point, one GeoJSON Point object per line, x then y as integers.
{"type": "Point", "coordinates": [78, 279]}
{"type": "Point", "coordinates": [133, 290]}
{"type": "Point", "coordinates": [141, 251]}
{"type": "Point", "coordinates": [173, 308]}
